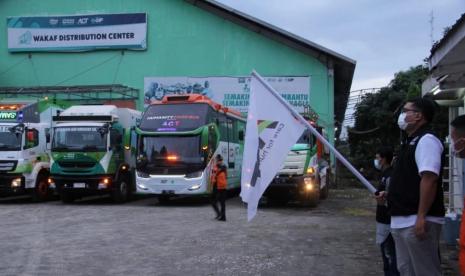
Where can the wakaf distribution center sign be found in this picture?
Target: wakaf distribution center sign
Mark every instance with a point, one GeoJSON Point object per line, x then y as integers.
{"type": "Point", "coordinates": [77, 32]}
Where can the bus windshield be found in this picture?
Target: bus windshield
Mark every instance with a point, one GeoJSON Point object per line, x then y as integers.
{"type": "Point", "coordinates": [9, 141]}
{"type": "Point", "coordinates": [174, 117]}
{"type": "Point", "coordinates": [170, 154]}
{"type": "Point", "coordinates": [79, 139]}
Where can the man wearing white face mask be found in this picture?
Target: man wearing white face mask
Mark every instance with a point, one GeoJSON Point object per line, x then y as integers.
{"type": "Point", "coordinates": [457, 145]}
{"type": "Point", "coordinates": [415, 194]}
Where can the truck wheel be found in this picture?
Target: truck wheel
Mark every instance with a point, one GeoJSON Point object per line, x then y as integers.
{"type": "Point", "coordinates": [310, 199]}
{"type": "Point", "coordinates": [67, 197]}
{"type": "Point", "coordinates": [41, 191]}
{"type": "Point", "coordinates": [120, 192]}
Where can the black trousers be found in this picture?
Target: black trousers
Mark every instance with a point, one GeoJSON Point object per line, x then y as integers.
{"type": "Point", "coordinates": [219, 196]}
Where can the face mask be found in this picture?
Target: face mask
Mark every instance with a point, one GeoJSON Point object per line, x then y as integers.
{"type": "Point", "coordinates": [456, 152]}
{"type": "Point", "coordinates": [401, 121]}
{"type": "Point", "coordinates": [377, 164]}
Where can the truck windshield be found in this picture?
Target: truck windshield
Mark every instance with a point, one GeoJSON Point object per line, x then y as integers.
{"type": "Point", "coordinates": [78, 139]}
{"type": "Point", "coordinates": [9, 141]}
{"type": "Point", "coordinates": [170, 154]}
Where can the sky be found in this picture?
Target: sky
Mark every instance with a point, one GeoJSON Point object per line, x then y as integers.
{"type": "Point", "coordinates": [383, 37]}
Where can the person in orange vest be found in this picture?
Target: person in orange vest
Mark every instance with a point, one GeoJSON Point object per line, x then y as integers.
{"type": "Point", "coordinates": [220, 184]}
{"type": "Point", "coordinates": [457, 145]}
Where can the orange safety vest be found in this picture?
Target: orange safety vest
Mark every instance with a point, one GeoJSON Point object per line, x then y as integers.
{"type": "Point", "coordinates": [462, 246]}
{"type": "Point", "coordinates": [219, 178]}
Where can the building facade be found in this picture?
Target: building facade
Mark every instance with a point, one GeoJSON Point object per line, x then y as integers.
{"type": "Point", "coordinates": [184, 39]}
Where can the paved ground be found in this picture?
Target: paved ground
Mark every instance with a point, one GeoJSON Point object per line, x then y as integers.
{"type": "Point", "coordinates": [95, 237]}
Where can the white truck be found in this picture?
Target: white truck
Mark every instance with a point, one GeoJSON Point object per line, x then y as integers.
{"type": "Point", "coordinates": [304, 175]}
{"type": "Point", "coordinates": [24, 147]}
{"type": "Point", "coordinates": [89, 156]}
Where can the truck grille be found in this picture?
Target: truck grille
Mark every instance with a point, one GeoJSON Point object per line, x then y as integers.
{"type": "Point", "coordinates": [8, 165]}
{"type": "Point", "coordinates": [76, 165]}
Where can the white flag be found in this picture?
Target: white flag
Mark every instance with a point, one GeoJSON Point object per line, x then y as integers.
{"type": "Point", "coordinates": [271, 131]}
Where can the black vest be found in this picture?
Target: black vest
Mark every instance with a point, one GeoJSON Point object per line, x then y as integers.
{"type": "Point", "coordinates": [404, 189]}
{"type": "Point", "coordinates": [382, 214]}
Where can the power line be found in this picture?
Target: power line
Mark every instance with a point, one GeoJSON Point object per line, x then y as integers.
{"type": "Point", "coordinates": [13, 66]}
{"type": "Point", "coordinates": [87, 70]}
{"type": "Point", "coordinates": [34, 70]}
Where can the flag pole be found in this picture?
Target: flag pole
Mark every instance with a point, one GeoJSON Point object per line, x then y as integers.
{"type": "Point", "coordinates": [299, 117]}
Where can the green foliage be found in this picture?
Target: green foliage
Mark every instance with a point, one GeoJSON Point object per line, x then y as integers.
{"type": "Point", "coordinates": [378, 113]}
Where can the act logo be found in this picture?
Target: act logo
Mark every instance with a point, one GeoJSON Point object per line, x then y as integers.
{"type": "Point", "coordinates": [263, 126]}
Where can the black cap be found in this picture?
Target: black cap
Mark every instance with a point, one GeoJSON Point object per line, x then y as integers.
{"type": "Point", "coordinates": [219, 157]}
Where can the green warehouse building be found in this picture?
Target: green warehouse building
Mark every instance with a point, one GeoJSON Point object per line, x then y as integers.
{"type": "Point", "coordinates": [132, 52]}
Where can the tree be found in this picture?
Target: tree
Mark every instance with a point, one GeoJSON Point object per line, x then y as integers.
{"type": "Point", "coordinates": [376, 116]}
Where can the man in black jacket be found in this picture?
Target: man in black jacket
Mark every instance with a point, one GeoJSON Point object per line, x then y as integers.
{"type": "Point", "coordinates": [384, 238]}
{"type": "Point", "coordinates": [415, 195]}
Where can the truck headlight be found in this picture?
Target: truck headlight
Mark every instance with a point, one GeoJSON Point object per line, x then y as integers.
{"type": "Point", "coordinates": [311, 170]}
{"type": "Point", "coordinates": [51, 182]}
{"type": "Point", "coordinates": [104, 183]}
{"type": "Point", "coordinates": [16, 183]}
{"type": "Point", "coordinates": [195, 187]}
{"type": "Point", "coordinates": [308, 186]}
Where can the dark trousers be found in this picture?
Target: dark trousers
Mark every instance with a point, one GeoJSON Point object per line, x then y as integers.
{"type": "Point", "coordinates": [219, 196]}
{"type": "Point", "coordinates": [388, 252]}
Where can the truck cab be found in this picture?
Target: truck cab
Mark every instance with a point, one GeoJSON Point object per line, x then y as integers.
{"type": "Point", "coordinates": [302, 173]}
{"type": "Point", "coordinates": [88, 153]}
{"type": "Point", "coordinates": [24, 148]}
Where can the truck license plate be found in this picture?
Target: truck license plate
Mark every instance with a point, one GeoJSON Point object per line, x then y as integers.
{"type": "Point", "coordinates": [79, 185]}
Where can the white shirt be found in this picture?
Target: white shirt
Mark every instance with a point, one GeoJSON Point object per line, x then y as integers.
{"type": "Point", "coordinates": [428, 158]}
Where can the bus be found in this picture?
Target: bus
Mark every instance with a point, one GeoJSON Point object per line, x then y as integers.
{"type": "Point", "coordinates": [177, 139]}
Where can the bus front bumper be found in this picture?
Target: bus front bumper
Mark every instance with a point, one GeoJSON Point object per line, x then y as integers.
{"type": "Point", "coordinates": [170, 185]}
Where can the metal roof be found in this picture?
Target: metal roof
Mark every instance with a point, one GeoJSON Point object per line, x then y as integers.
{"type": "Point", "coordinates": [342, 66]}
{"type": "Point", "coordinates": [446, 82]}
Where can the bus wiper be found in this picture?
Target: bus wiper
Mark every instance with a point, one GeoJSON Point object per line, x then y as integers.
{"type": "Point", "coordinates": [89, 147]}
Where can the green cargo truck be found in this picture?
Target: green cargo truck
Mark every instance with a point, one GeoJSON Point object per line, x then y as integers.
{"type": "Point", "coordinates": [89, 156]}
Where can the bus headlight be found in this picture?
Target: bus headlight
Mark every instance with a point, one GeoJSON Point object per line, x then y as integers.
{"type": "Point", "coordinates": [195, 187]}
{"type": "Point", "coordinates": [143, 174]}
{"type": "Point", "coordinates": [308, 186]}
{"type": "Point", "coordinates": [142, 187]}
{"type": "Point", "coordinates": [16, 183]}
{"type": "Point", "coordinates": [194, 174]}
